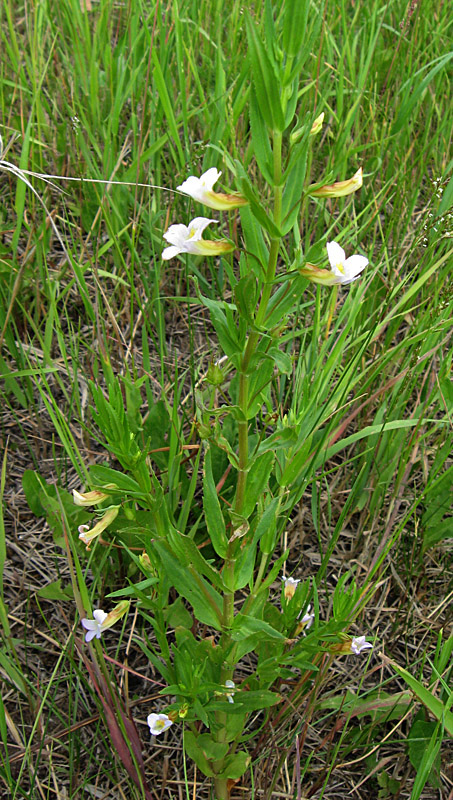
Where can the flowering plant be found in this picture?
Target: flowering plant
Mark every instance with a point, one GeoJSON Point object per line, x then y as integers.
{"type": "Point", "coordinates": [221, 555]}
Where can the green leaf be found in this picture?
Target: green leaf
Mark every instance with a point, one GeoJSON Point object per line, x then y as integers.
{"type": "Point", "coordinates": [204, 599]}
{"type": "Point", "coordinates": [257, 479]}
{"type": "Point", "coordinates": [33, 488]}
{"type": "Point", "coordinates": [424, 740]}
{"type": "Point", "coordinates": [257, 252]}
{"type": "Point", "coordinates": [245, 296]}
{"type": "Point", "coordinates": [100, 475]}
{"type": "Point", "coordinates": [135, 589]}
{"type": "Point", "coordinates": [294, 186]}
{"type": "Point", "coordinates": [235, 765]}
{"type": "Point", "coordinates": [244, 626]}
{"type": "Point", "coordinates": [429, 700]}
{"type": "Point", "coordinates": [294, 30]}
{"type": "Point", "coordinates": [226, 329]}
{"type": "Point", "coordinates": [188, 554]}
{"type": "Point", "coordinates": [265, 81]}
{"type": "Point", "coordinates": [177, 616]}
{"type": "Point", "coordinates": [195, 752]}
{"type": "Point", "coordinates": [257, 209]}
{"type": "Point", "coordinates": [282, 360]}
{"type": "Point", "coordinates": [260, 139]}
{"type": "Point", "coordinates": [55, 591]}
{"type": "Point", "coordinates": [246, 701]}
{"type": "Point", "coordinates": [213, 514]}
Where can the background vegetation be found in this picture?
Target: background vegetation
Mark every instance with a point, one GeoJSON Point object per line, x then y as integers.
{"type": "Point", "coordinates": [97, 104]}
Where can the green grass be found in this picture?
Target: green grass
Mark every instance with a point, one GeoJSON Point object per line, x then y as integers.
{"type": "Point", "coordinates": [143, 94]}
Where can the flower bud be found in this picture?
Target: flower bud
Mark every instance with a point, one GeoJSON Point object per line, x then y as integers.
{"type": "Point", "coordinates": [317, 125]}
{"type": "Point", "coordinates": [214, 374]}
{"type": "Point", "coordinates": [339, 189]}
{"type": "Point", "coordinates": [145, 562]}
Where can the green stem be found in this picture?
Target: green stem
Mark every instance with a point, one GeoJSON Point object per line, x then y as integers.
{"type": "Point", "coordinates": [254, 336]}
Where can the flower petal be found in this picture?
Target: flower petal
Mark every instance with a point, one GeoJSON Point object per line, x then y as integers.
{"type": "Point", "coordinates": [176, 234]}
{"type": "Point", "coordinates": [354, 265]}
{"type": "Point", "coordinates": [335, 253]}
{"type": "Point", "coordinates": [99, 615]}
{"type": "Point", "coordinates": [197, 226]}
{"type": "Point", "coordinates": [170, 252]}
{"type": "Point", "coordinates": [210, 177]}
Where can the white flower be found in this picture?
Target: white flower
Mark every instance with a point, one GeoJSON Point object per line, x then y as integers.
{"type": "Point", "coordinates": [230, 685]}
{"type": "Point", "coordinates": [189, 240]}
{"type": "Point", "coordinates": [290, 586]}
{"type": "Point", "coordinates": [102, 621]}
{"type": "Point", "coordinates": [307, 619]}
{"type": "Point", "coordinates": [95, 626]}
{"type": "Point", "coordinates": [358, 644]}
{"type": "Point", "coordinates": [88, 498]}
{"type": "Point", "coordinates": [158, 723]}
{"type": "Point", "coordinates": [346, 269]}
{"type": "Point", "coordinates": [200, 189]}
{"type": "Point", "coordinates": [87, 534]}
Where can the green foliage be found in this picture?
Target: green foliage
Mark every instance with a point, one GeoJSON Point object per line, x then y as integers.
{"type": "Point", "coordinates": [342, 396]}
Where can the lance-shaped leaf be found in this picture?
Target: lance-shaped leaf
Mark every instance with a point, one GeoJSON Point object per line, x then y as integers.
{"type": "Point", "coordinates": [265, 81]}
{"type": "Point", "coordinates": [257, 479]}
{"type": "Point", "coordinates": [213, 514]}
{"type": "Point", "coordinates": [257, 209]}
{"type": "Point", "coordinates": [294, 25]}
{"type": "Point", "coordinates": [204, 599]}
{"type": "Point", "coordinates": [260, 138]}
{"type": "Point", "coordinates": [294, 187]}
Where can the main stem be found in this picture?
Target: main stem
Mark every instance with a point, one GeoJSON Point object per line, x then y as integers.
{"type": "Point", "coordinates": [253, 339]}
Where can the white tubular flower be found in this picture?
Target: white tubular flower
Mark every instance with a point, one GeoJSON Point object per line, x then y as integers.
{"type": "Point", "coordinates": [290, 586]}
{"type": "Point", "coordinates": [88, 498]}
{"type": "Point", "coordinates": [87, 534]}
{"type": "Point", "coordinates": [307, 619]}
{"type": "Point", "coordinates": [102, 621]}
{"type": "Point", "coordinates": [158, 723]}
{"type": "Point", "coordinates": [345, 269]}
{"type": "Point", "coordinates": [95, 626]}
{"type": "Point", "coordinates": [304, 622]}
{"type": "Point", "coordinates": [230, 685]}
{"type": "Point", "coordinates": [188, 239]}
{"type": "Point", "coordinates": [200, 189]}
{"type": "Point", "coordinates": [358, 644]}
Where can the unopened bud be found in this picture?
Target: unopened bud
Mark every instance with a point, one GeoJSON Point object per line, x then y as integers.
{"type": "Point", "coordinates": [214, 374]}
{"type": "Point", "coordinates": [339, 189]}
{"type": "Point", "coordinates": [317, 125]}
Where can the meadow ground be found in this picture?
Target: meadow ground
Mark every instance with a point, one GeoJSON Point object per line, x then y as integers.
{"type": "Point", "coordinates": [101, 102]}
